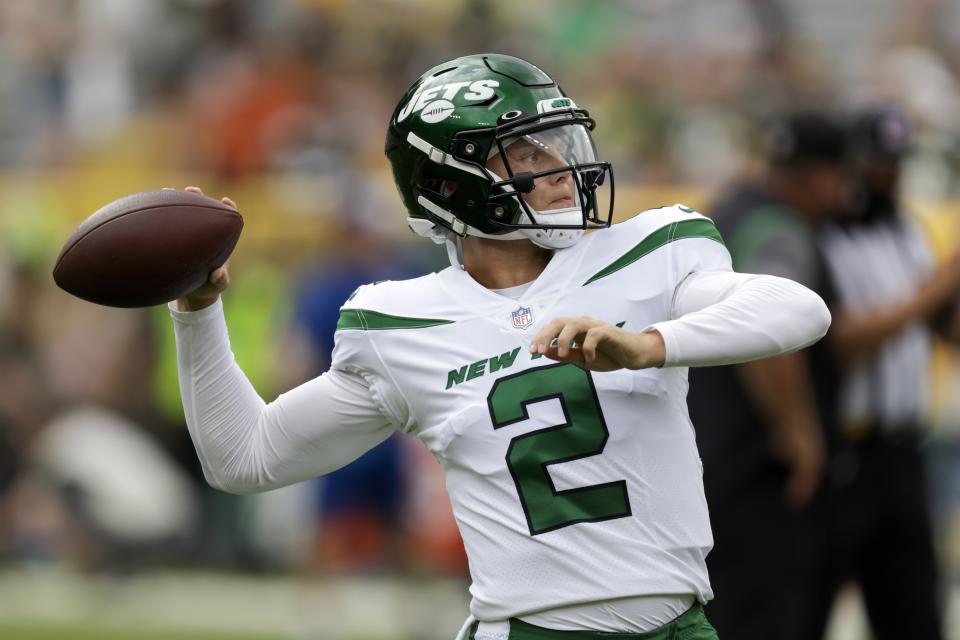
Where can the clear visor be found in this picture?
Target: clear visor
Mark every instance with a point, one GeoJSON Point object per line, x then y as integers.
{"type": "Point", "coordinates": [554, 174]}
{"type": "Point", "coordinates": [553, 148]}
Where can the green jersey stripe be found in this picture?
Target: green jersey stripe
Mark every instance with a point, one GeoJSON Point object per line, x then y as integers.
{"type": "Point", "coordinates": [366, 320]}
{"type": "Point", "coordinates": [698, 228]}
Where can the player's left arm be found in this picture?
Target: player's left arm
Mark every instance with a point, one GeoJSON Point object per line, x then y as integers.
{"type": "Point", "coordinates": [723, 317]}
{"type": "Point", "coordinates": [716, 316]}
{"type": "Point", "coordinates": [719, 317]}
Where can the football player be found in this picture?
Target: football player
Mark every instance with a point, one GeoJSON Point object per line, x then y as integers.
{"type": "Point", "coordinates": [546, 368]}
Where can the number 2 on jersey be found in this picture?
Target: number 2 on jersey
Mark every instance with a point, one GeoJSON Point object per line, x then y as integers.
{"type": "Point", "coordinates": [583, 434]}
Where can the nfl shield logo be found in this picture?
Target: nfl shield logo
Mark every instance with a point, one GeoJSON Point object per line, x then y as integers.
{"type": "Point", "coordinates": [522, 317]}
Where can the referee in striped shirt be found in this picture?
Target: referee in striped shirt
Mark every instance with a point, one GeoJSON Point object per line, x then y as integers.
{"type": "Point", "coordinates": [890, 297]}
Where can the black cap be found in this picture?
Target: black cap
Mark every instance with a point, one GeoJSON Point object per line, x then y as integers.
{"type": "Point", "coordinates": [807, 137]}
{"type": "Point", "coordinates": [881, 131]}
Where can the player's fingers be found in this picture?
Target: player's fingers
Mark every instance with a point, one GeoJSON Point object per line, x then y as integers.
{"type": "Point", "coordinates": [573, 355]}
{"type": "Point", "coordinates": [193, 189]}
{"type": "Point", "coordinates": [570, 355]}
{"type": "Point", "coordinates": [591, 340]}
{"type": "Point", "coordinates": [567, 338]}
{"type": "Point", "coordinates": [228, 201]}
{"type": "Point", "coordinates": [220, 278]}
{"type": "Point", "coordinates": [541, 342]}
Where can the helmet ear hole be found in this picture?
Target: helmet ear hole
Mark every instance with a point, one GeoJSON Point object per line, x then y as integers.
{"type": "Point", "coordinates": [442, 187]}
{"type": "Point", "coordinates": [502, 211]}
{"type": "Point", "coordinates": [465, 148]}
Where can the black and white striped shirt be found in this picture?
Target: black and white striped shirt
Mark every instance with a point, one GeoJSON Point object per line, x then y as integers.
{"type": "Point", "coordinates": [872, 265]}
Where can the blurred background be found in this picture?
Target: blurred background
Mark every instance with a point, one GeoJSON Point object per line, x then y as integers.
{"type": "Point", "coordinates": [106, 527]}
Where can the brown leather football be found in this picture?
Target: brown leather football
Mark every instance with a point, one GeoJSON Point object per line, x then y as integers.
{"type": "Point", "coordinates": [147, 248]}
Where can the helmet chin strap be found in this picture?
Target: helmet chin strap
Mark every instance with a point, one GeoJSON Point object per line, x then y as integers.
{"type": "Point", "coordinates": [439, 234]}
{"type": "Point", "coordinates": [551, 238]}
{"type": "Point", "coordinates": [556, 238]}
{"type": "Point", "coordinates": [450, 237]}
{"type": "Point", "coordinates": [453, 255]}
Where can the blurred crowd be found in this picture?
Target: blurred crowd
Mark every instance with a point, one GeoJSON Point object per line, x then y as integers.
{"type": "Point", "coordinates": [283, 104]}
{"type": "Point", "coordinates": [241, 87]}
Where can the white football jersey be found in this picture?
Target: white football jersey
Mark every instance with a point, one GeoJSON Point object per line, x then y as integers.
{"type": "Point", "coordinates": [568, 486]}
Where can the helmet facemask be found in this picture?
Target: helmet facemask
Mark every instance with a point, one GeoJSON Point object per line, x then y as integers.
{"type": "Point", "coordinates": [553, 181]}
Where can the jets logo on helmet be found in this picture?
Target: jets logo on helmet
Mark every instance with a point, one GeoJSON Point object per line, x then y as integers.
{"type": "Point", "coordinates": [466, 115]}
{"type": "Point", "coordinates": [436, 111]}
{"type": "Point", "coordinates": [424, 97]}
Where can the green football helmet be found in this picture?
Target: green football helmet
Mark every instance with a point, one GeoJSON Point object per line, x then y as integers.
{"type": "Point", "coordinates": [456, 118]}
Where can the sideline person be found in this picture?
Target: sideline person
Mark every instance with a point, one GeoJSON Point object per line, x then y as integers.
{"type": "Point", "coordinates": [762, 426]}
{"type": "Point", "coordinates": [891, 299]}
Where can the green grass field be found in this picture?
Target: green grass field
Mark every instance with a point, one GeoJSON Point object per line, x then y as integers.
{"type": "Point", "coordinates": [55, 604]}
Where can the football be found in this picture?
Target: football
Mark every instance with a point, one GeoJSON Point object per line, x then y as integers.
{"type": "Point", "coordinates": [147, 248]}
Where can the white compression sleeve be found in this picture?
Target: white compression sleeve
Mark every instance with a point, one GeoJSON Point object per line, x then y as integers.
{"type": "Point", "coordinates": [246, 445]}
{"type": "Point", "coordinates": [723, 317]}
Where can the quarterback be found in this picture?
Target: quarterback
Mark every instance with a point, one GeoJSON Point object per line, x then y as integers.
{"type": "Point", "coordinates": [545, 369]}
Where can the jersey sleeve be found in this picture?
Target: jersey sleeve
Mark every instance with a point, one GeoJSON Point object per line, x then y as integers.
{"type": "Point", "coordinates": [245, 444]}
{"type": "Point", "coordinates": [356, 353]}
{"type": "Point", "coordinates": [698, 248]}
{"type": "Point", "coordinates": [691, 241]}
{"type": "Point", "coordinates": [723, 317]}
{"type": "Point", "coordinates": [718, 316]}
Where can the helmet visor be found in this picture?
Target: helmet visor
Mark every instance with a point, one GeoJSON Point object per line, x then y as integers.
{"type": "Point", "coordinates": [557, 147]}
{"type": "Point", "coordinates": [553, 167]}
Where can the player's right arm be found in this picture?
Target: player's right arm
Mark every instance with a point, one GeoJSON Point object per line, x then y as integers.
{"type": "Point", "coordinates": [246, 445]}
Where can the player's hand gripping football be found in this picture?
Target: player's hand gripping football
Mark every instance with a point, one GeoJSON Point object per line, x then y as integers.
{"type": "Point", "coordinates": [219, 280]}
{"type": "Point", "coordinates": [598, 346]}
